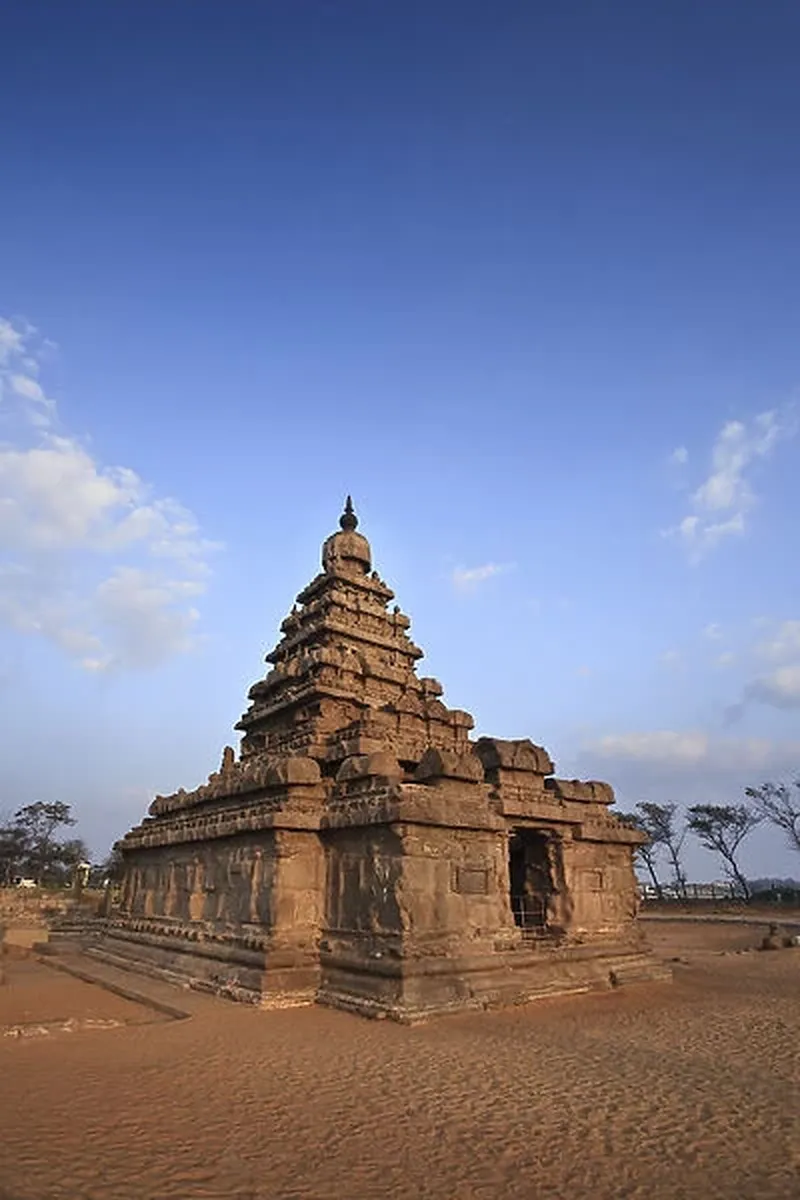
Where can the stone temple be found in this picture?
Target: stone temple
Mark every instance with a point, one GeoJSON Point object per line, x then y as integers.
{"type": "Point", "coordinates": [362, 851]}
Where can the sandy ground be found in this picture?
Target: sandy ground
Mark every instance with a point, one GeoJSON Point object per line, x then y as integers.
{"type": "Point", "coordinates": [683, 1090]}
{"type": "Point", "coordinates": [36, 997]}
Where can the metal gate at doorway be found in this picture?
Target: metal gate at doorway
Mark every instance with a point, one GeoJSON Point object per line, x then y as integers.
{"type": "Point", "coordinates": [530, 878]}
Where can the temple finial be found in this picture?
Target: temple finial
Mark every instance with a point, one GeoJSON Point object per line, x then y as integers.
{"type": "Point", "coordinates": [348, 520]}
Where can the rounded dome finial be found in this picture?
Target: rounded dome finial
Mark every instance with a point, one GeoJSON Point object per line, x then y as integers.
{"type": "Point", "coordinates": [347, 552]}
{"type": "Point", "coordinates": [348, 520]}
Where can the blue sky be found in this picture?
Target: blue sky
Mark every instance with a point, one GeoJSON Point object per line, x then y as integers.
{"type": "Point", "coordinates": [522, 278]}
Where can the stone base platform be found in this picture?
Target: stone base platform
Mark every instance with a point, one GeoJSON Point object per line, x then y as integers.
{"type": "Point", "coordinates": [403, 990]}
{"type": "Point", "coordinates": [268, 977]}
{"type": "Point", "coordinates": [413, 991]}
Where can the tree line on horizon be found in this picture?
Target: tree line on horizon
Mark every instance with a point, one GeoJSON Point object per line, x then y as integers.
{"type": "Point", "coordinates": [720, 828]}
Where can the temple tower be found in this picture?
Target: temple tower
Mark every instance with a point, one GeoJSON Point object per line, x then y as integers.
{"type": "Point", "coordinates": [344, 658]}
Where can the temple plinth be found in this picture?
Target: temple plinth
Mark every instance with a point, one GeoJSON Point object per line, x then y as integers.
{"type": "Point", "coordinates": [362, 851]}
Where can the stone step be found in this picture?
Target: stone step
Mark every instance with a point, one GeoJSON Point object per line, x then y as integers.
{"type": "Point", "coordinates": [645, 970]}
{"type": "Point", "coordinates": [158, 996]}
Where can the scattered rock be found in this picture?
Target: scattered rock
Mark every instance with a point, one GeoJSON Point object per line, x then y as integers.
{"type": "Point", "coordinates": [772, 940]}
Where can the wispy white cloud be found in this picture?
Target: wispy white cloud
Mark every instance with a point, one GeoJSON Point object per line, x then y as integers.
{"type": "Point", "coordinates": [782, 643]}
{"type": "Point", "coordinates": [679, 457]}
{"type": "Point", "coordinates": [90, 557]}
{"type": "Point", "coordinates": [779, 688]}
{"type": "Point", "coordinates": [660, 745]}
{"type": "Point", "coordinates": [672, 659]}
{"type": "Point", "coordinates": [688, 750]}
{"type": "Point", "coordinates": [19, 369]}
{"type": "Point", "coordinates": [721, 504]}
{"type": "Point", "coordinates": [11, 341]}
{"type": "Point", "coordinates": [467, 578]}
{"type": "Point", "coordinates": [150, 616]}
{"type": "Point", "coordinates": [713, 631]}
{"type": "Point", "coordinates": [776, 680]}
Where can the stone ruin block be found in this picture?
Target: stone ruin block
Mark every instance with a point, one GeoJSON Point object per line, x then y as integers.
{"type": "Point", "coordinates": [520, 755]}
{"type": "Point", "coordinates": [590, 792]}
{"type": "Point", "coordinates": [447, 764]}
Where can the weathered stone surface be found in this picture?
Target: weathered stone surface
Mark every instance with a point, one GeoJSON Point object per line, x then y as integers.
{"type": "Point", "coordinates": [298, 770]}
{"type": "Point", "coordinates": [380, 764]}
{"type": "Point", "coordinates": [519, 755]}
{"type": "Point", "coordinates": [576, 789]}
{"type": "Point", "coordinates": [446, 764]}
{"type": "Point", "coordinates": [362, 850]}
{"type": "Point", "coordinates": [603, 793]}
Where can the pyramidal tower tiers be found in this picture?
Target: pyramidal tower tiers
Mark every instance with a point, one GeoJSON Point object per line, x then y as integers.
{"type": "Point", "coordinates": [345, 670]}
{"type": "Point", "coordinates": [363, 851]}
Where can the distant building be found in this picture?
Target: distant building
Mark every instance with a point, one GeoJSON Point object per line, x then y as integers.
{"type": "Point", "coordinates": [721, 889]}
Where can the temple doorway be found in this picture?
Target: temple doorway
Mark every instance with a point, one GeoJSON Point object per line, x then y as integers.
{"type": "Point", "coordinates": [530, 877]}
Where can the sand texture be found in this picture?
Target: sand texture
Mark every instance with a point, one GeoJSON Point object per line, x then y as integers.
{"type": "Point", "coordinates": [683, 1090]}
{"type": "Point", "coordinates": [35, 996]}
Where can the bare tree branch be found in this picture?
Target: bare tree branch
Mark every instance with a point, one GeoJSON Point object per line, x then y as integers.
{"type": "Point", "coordinates": [722, 828]}
{"type": "Point", "coordinates": [775, 802]}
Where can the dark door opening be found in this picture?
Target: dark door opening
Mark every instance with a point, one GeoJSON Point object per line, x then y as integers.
{"type": "Point", "coordinates": [531, 881]}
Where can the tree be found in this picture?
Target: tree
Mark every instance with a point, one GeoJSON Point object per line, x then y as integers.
{"type": "Point", "coordinates": [660, 822]}
{"type": "Point", "coordinates": [12, 852]}
{"type": "Point", "coordinates": [73, 851]}
{"type": "Point", "coordinates": [722, 828]}
{"type": "Point", "coordinates": [646, 852]}
{"type": "Point", "coordinates": [776, 804]}
{"type": "Point", "coordinates": [70, 854]}
{"type": "Point", "coordinates": [113, 866]}
{"type": "Point", "coordinates": [38, 824]}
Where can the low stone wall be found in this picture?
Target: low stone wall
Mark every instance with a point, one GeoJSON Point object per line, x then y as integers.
{"type": "Point", "coordinates": [34, 906]}
{"type": "Point", "coordinates": [758, 909]}
{"type": "Point", "coordinates": [23, 906]}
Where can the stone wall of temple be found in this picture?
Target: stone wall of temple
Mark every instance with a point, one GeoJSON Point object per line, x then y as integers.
{"type": "Point", "coordinates": [362, 895]}
{"type": "Point", "coordinates": [603, 893]}
{"type": "Point", "coordinates": [226, 882]}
